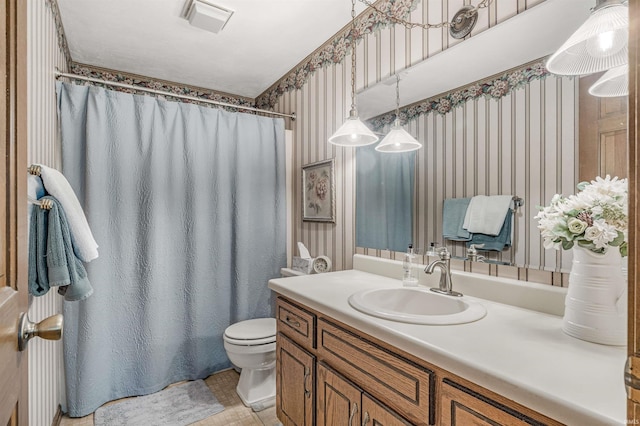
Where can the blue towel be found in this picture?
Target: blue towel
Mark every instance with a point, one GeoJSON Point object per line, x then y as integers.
{"type": "Point", "coordinates": [52, 261]}
{"type": "Point", "coordinates": [38, 280]}
{"type": "Point", "coordinates": [62, 262]}
{"type": "Point", "coordinates": [498, 242]}
{"type": "Point", "coordinates": [453, 213]}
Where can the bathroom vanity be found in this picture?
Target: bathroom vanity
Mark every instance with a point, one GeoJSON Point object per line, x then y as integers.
{"type": "Point", "coordinates": [337, 365]}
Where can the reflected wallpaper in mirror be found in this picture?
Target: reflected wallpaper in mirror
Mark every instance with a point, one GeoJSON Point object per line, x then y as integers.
{"type": "Point", "coordinates": [514, 134]}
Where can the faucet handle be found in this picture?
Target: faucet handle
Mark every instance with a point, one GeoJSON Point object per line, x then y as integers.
{"type": "Point", "coordinates": [444, 253]}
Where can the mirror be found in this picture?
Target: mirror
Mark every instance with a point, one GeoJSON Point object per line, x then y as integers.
{"type": "Point", "coordinates": [522, 142]}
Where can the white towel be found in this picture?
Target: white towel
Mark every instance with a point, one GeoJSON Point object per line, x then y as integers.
{"type": "Point", "coordinates": [486, 214]}
{"type": "Point", "coordinates": [84, 245]}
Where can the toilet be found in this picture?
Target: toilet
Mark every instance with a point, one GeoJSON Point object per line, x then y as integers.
{"type": "Point", "coordinates": [251, 346]}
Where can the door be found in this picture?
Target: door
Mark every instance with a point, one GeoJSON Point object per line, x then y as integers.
{"type": "Point", "coordinates": [376, 414]}
{"type": "Point", "coordinates": [602, 134]}
{"type": "Point", "coordinates": [338, 400]}
{"type": "Point", "coordinates": [295, 378]}
{"type": "Point", "coordinates": [633, 403]}
{"type": "Point", "coordinates": [13, 199]}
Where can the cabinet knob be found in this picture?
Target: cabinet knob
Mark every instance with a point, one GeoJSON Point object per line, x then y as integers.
{"type": "Point", "coordinates": [354, 410]}
{"type": "Point", "coordinates": [307, 374]}
{"type": "Point", "coordinates": [292, 322]}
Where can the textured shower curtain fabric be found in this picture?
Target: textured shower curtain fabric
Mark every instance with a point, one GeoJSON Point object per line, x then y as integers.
{"type": "Point", "coordinates": [384, 198]}
{"type": "Point", "coordinates": [188, 206]}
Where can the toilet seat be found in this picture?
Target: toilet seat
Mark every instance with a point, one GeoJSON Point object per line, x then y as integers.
{"type": "Point", "coordinates": [252, 332]}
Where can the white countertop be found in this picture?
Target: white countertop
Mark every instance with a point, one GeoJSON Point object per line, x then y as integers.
{"type": "Point", "coordinates": [519, 353]}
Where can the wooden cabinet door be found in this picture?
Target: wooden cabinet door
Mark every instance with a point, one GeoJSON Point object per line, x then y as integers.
{"type": "Point", "coordinates": [295, 379]}
{"type": "Point", "coordinates": [463, 407]}
{"type": "Point", "coordinates": [376, 414]}
{"type": "Point", "coordinates": [339, 401]}
{"type": "Point", "coordinates": [13, 214]}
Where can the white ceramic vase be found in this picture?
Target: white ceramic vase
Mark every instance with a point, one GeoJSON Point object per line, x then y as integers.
{"type": "Point", "coordinates": [596, 304]}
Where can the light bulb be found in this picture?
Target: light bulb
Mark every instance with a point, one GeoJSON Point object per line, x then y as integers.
{"type": "Point", "coordinates": [354, 136]}
{"type": "Point", "coordinates": [606, 44]}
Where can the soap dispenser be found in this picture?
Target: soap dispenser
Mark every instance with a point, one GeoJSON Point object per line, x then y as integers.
{"type": "Point", "coordinates": [409, 275]}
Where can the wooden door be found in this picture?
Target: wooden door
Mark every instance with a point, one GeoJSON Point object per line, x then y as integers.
{"type": "Point", "coordinates": [295, 379]}
{"type": "Point", "coordinates": [602, 134]}
{"type": "Point", "coordinates": [13, 198]}
{"type": "Point", "coordinates": [339, 401]}
{"type": "Point", "coordinates": [376, 414]}
{"type": "Point", "coordinates": [633, 403]}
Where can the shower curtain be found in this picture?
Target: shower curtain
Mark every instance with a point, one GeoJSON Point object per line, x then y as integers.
{"type": "Point", "coordinates": [384, 198]}
{"type": "Point", "coordinates": [187, 204]}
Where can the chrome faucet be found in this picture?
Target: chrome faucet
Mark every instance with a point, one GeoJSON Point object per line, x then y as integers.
{"type": "Point", "coordinates": [445, 272]}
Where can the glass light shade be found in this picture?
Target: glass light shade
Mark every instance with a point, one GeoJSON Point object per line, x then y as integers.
{"type": "Point", "coordinates": [599, 44]}
{"type": "Point", "coordinates": [398, 140]}
{"type": "Point", "coordinates": [353, 133]}
{"type": "Point", "coordinates": [614, 82]}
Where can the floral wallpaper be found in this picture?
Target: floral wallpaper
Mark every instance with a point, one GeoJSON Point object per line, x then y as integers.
{"type": "Point", "coordinates": [62, 39]}
{"type": "Point", "coordinates": [494, 88]}
{"type": "Point", "coordinates": [149, 83]}
{"type": "Point", "coordinates": [335, 50]}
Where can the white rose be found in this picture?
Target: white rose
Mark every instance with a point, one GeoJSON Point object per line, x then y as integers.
{"type": "Point", "coordinates": [576, 226]}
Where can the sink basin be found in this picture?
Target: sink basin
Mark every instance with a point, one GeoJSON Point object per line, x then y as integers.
{"type": "Point", "coordinates": [416, 306]}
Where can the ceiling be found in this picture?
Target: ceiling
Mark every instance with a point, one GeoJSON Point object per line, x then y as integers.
{"type": "Point", "coordinates": [262, 41]}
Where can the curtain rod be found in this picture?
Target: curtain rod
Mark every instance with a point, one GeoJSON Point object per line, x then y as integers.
{"type": "Point", "coordinates": [175, 95]}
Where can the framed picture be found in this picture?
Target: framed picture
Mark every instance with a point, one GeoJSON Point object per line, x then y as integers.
{"type": "Point", "coordinates": [318, 192]}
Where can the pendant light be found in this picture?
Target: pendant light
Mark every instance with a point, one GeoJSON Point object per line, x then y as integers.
{"type": "Point", "coordinates": [353, 132]}
{"type": "Point", "coordinates": [599, 44]}
{"type": "Point", "coordinates": [398, 139]}
{"type": "Point", "coordinates": [614, 82]}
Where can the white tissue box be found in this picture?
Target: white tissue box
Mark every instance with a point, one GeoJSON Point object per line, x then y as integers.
{"type": "Point", "coordinates": [302, 265]}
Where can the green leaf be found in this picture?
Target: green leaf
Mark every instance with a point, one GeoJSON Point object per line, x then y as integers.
{"type": "Point", "coordinates": [586, 244]}
{"type": "Point", "coordinates": [618, 240]}
{"type": "Point", "coordinates": [573, 213]}
{"type": "Point", "coordinates": [567, 245]}
{"type": "Point", "coordinates": [624, 249]}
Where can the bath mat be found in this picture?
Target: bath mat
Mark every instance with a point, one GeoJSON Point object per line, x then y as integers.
{"type": "Point", "coordinates": [176, 406]}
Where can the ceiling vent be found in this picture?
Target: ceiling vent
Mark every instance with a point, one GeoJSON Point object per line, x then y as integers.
{"type": "Point", "coordinates": [205, 15]}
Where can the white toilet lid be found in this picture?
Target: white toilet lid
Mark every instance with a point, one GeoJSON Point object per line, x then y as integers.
{"type": "Point", "coordinates": [259, 328]}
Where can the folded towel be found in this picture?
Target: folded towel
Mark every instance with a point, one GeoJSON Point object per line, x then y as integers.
{"type": "Point", "coordinates": [56, 184]}
{"type": "Point", "coordinates": [38, 280]}
{"type": "Point", "coordinates": [35, 190]}
{"type": "Point", "coordinates": [485, 214]}
{"type": "Point", "coordinates": [498, 242]}
{"type": "Point", "coordinates": [453, 214]}
{"type": "Point", "coordinates": [64, 268]}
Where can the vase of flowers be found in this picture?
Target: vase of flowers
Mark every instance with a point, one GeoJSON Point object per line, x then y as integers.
{"type": "Point", "coordinates": [593, 224]}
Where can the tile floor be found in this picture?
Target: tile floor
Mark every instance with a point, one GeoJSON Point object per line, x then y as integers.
{"type": "Point", "coordinates": [223, 386]}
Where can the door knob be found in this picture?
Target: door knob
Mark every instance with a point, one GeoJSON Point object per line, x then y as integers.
{"type": "Point", "coordinates": [49, 328]}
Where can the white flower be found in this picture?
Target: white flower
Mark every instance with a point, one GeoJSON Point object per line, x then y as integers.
{"type": "Point", "coordinates": [601, 234]}
{"type": "Point", "coordinates": [576, 226]}
{"type": "Point", "coordinates": [594, 217]}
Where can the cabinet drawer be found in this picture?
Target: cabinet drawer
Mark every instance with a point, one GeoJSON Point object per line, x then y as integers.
{"type": "Point", "coordinates": [296, 323]}
{"type": "Point", "coordinates": [396, 382]}
{"type": "Point", "coordinates": [462, 406]}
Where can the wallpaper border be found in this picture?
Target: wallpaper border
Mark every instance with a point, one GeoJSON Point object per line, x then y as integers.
{"type": "Point", "coordinates": [156, 84]}
{"type": "Point", "coordinates": [495, 87]}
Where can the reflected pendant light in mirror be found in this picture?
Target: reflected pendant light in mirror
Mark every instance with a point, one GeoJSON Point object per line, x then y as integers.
{"type": "Point", "coordinates": [614, 82]}
{"type": "Point", "coordinates": [398, 139]}
{"type": "Point", "coordinates": [353, 132]}
{"type": "Point", "coordinates": [599, 44]}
